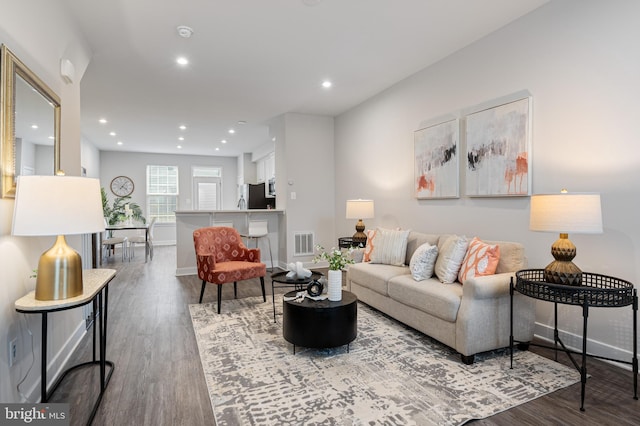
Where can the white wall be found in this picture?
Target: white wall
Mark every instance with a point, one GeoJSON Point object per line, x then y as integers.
{"type": "Point", "coordinates": [39, 40]}
{"type": "Point", "coordinates": [578, 59]}
{"type": "Point", "coordinates": [305, 166]}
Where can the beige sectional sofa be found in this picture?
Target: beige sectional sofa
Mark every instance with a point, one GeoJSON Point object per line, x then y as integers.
{"type": "Point", "coordinates": [470, 318]}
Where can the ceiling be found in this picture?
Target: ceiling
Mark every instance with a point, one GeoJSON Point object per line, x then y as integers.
{"type": "Point", "coordinates": [253, 60]}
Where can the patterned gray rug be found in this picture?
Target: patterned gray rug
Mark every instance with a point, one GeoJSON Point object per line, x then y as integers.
{"type": "Point", "coordinates": [392, 375]}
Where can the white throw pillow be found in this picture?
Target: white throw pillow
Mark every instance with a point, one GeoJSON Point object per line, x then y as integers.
{"type": "Point", "coordinates": [423, 261]}
{"type": "Point", "coordinates": [452, 252]}
{"type": "Point", "coordinates": [390, 247]}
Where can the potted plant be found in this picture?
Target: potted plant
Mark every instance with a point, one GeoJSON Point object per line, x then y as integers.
{"type": "Point", "coordinates": [118, 211]}
{"type": "Point", "coordinates": [338, 259]}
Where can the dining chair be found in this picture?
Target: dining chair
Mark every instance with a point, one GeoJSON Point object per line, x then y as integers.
{"type": "Point", "coordinates": [222, 258]}
{"type": "Point", "coordinates": [110, 242]}
{"type": "Point", "coordinates": [140, 239]}
{"type": "Point", "coordinates": [259, 230]}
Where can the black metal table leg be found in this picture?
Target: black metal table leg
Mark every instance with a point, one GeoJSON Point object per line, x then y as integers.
{"type": "Point", "coordinates": [583, 369]}
{"type": "Point", "coordinates": [43, 361]}
{"type": "Point", "coordinates": [511, 321]}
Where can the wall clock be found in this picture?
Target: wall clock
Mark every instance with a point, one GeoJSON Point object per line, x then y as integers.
{"type": "Point", "coordinates": [122, 186]}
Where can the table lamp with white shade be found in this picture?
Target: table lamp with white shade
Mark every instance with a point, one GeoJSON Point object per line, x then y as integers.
{"type": "Point", "coordinates": [360, 209]}
{"type": "Point", "coordinates": [58, 205]}
{"type": "Point", "coordinates": [578, 213]}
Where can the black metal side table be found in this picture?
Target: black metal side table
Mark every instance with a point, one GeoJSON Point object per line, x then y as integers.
{"type": "Point", "coordinates": [595, 291]}
{"type": "Point", "coordinates": [348, 242]}
{"type": "Point", "coordinates": [280, 280]}
{"type": "Point", "coordinates": [96, 291]}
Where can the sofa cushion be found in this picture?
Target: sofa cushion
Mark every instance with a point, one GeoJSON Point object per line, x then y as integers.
{"type": "Point", "coordinates": [512, 257]}
{"type": "Point", "coordinates": [389, 247]}
{"type": "Point", "coordinates": [375, 276]}
{"type": "Point", "coordinates": [481, 259]}
{"type": "Point", "coordinates": [415, 240]}
{"type": "Point", "coordinates": [451, 252]}
{"type": "Point", "coordinates": [423, 261]}
{"type": "Point", "coordinates": [430, 296]}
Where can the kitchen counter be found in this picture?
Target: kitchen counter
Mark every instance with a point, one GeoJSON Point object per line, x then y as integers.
{"type": "Point", "coordinates": [188, 221]}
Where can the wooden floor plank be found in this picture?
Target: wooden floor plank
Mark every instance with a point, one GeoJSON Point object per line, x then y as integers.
{"type": "Point", "coordinates": [158, 379]}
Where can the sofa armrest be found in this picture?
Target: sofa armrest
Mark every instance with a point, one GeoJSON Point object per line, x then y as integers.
{"type": "Point", "coordinates": [488, 286]}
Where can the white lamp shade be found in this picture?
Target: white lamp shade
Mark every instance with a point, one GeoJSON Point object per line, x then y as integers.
{"type": "Point", "coordinates": [578, 213]}
{"type": "Point", "coordinates": [360, 209]}
{"type": "Point", "coordinates": [57, 205]}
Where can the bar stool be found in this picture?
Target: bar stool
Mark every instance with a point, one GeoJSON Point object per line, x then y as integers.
{"type": "Point", "coordinates": [259, 229]}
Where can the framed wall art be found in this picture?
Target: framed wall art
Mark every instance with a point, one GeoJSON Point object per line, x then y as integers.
{"type": "Point", "coordinates": [436, 152]}
{"type": "Point", "coordinates": [498, 145]}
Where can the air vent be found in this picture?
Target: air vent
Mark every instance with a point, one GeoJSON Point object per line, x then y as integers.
{"type": "Point", "coordinates": [303, 243]}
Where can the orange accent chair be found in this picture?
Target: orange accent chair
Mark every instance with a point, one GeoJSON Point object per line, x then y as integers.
{"type": "Point", "coordinates": [222, 258]}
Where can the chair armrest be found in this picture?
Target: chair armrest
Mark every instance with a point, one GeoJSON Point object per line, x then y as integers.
{"type": "Point", "coordinates": [488, 286]}
{"type": "Point", "coordinates": [253, 255]}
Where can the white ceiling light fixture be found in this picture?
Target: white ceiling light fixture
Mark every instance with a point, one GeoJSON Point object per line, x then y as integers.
{"type": "Point", "coordinates": [181, 60]}
{"type": "Point", "coordinates": [184, 31]}
{"type": "Point", "coordinates": [181, 138]}
{"type": "Point", "coordinates": [112, 133]}
{"type": "Point", "coordinates": [179, 146]}
{"type": "Point", "coordinates": [103, 121]}
{"type": "Point", "coordinates": [119, 142]}
{"type": "Point", "coordinates": [231, 131]}
{"type": "Point", "coordinates": [327, 84]}
{"type": "Point", "coordinates": [183, 127]}
{"type": "Point", "coordinates": [223, 141]}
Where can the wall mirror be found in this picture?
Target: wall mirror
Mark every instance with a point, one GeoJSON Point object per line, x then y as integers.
{"type": "Point", "coordinates": [29, 124]}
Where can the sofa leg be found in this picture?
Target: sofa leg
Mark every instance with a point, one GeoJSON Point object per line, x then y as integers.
{"type": "Point", "coordinates": [523, 346]}
{"type": "Point", "coordinates": [467, 359]}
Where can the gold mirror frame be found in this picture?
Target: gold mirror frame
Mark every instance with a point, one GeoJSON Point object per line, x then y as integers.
{"type": "Point", "coordinates": [10, 68]}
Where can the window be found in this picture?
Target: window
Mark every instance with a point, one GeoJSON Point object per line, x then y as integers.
{"type": "Point", "coordinates": [162, 193]}
{"type": "Point", "coordinates": [207, 183]}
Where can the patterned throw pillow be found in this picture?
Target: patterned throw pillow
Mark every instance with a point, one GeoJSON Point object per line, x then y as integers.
{"type": "Point", "coordinates": [390, 247]}
{"type": "Point", "coordinates": [481, 259]}
{"type": "Point", "coordinates": [423, 261]}
{"type": "Point", "coordinates": [452, 252]}
{"type": "Point", "coordinates": [368, 249]}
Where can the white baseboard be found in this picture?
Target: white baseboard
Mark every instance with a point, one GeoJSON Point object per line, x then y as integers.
{"type": "Point", "coordinates": [191, 270]}
{"type": "Point", "coordinates": [574, 342]}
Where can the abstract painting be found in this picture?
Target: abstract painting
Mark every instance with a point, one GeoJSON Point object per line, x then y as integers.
{"type": "Point", "coordinates": [436, 161]}
{"type": "Point", "coordinates": [498, 150]}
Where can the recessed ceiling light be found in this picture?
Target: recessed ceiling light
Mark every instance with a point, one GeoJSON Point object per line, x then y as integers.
{"type": "Point", "coordinates": [181, 138]}
{"type": "Point", "coordinates": [232, 131]}
{"type": "Point", "coordinates": [223, 141]}
{"type": "Point", "coordinates": [184, 31]}
{"type": "Point", "coordinates": [183, 127]}
{"type": "Point", "coordinates": [327, 84]}
{"type": "Point", "coordinates": [112, 133]}
{"type": "Point", "coordinates": [217, 149]}
{"type": "Point", "coordinates": [103, 121]}
{"type": "Point", "coordinates": [179, 146]}
{"type": "Point", "coordinates": [34, 126]}
{"type": "Point", "coordinates": [273, 138]}
{"type": "Point", "coordinates": [119, 142]}
{"type": "Point", "coordinates": [182, 61]}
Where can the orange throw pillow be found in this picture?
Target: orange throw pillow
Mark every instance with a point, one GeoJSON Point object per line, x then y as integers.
{"type": "Point", "coordinates": [481, 259]}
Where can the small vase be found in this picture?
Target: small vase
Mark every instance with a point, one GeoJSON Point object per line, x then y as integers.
{"type": "Point", "coordinates": [334, 289]}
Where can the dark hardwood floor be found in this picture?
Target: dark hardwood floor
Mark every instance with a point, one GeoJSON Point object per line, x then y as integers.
{"type": "Point", "coordinates": [158, 378]}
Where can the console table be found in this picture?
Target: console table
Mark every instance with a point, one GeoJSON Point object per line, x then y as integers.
{"type": "Point", "coordinates": [96, 291]}
{"type": "Point", "coordinates": [595, 291]}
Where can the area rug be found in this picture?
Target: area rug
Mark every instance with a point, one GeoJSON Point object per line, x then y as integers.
{"type": "Point", "coordinates": [392, 374]}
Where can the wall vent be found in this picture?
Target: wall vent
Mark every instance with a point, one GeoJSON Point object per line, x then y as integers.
{"type": "Point", "coordinates": [303, 243]}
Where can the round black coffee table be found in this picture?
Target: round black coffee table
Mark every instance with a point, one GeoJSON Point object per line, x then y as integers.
{"type": "Point", "coordinates": [279, 280]}
{"type": "Point", "coordinates": [321, 323]}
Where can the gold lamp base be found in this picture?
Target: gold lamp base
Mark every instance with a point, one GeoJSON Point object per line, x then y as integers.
{"type": "Point", "coordinates": [59, 272]}
{"type": "Point", "coordinates": [359, 236]}
{"type": "Point", "coordinates": [562, 270]}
